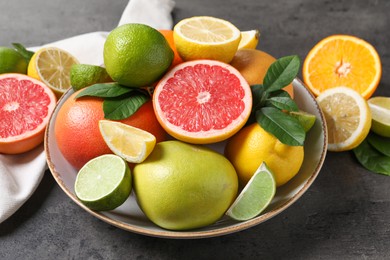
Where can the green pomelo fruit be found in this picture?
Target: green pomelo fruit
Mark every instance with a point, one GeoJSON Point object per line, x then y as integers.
{"type": "Point", "coordinates": [182, 186]}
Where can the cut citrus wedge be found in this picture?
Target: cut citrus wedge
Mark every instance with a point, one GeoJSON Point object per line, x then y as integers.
{"type": "Point", "coordinates": [347, 115]}
{"type": "Point", "coordinates": [380, 109]}
{"type": "Point", "coordinates": [205, 37]}
{"type": "Point", "coordinates": [130, 143]}
{"type": "Point", "coordinates": [103, 183]}
{"type": "Point", "coordinates": [307, 120]}
{"type": "Point", "coordinates": [249, 39]}
{"type": "Point", "coordinates": [52, 66]}
{"type": "Point", "coordinates": [256, 195]}
{"type": "Point", "coordinates": [342, 60]}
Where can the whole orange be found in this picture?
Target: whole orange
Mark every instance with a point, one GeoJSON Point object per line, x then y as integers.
{"type": "Point", "coordinates": [77, 129]}
{"type": "Point", "coordinates": [168, 34]}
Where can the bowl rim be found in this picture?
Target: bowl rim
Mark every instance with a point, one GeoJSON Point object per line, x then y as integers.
{"type": "Point", "coordinates": [191, 234]}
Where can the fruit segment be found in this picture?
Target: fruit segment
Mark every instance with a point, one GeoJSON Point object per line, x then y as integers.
{"type": "Point", "coordinates": [256, 195]}
{"type": "Point", "coordinates": [130, 143]}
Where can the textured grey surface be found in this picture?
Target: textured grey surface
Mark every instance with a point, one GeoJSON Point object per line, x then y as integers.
{"type": "Point", "coordinates": [344, 214]}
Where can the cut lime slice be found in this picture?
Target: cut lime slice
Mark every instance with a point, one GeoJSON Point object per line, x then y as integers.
{"type": "Point", "coordinates": [307, 120]}
{"type": "Point", "coordinates": [380, 110]}
{"type": "Point", "coordinates": [256, 195]}
{"type": "Point", "coordinates": [131, 143]}
{"type": "Point", "coordinates": [103, 183]}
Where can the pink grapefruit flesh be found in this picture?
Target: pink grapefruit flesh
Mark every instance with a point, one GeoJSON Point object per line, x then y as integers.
{"type": "Point", "coordinates": [26, 105]}
{"type": "Point", "coordinates": [202, 101]}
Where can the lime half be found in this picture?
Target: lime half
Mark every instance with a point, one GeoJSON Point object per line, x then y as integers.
{"type": "Point", "coordinates": [256, 195]}
{"type": "Point", "coordinates": [380, 110]}
{"type": "Point", "coordinates": [307, 120]}
{"type": "Point", "coordinates": [103, 183]}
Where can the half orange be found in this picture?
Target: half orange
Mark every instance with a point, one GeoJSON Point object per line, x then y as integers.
{"type": "Point", "coordinates": [342, 60]}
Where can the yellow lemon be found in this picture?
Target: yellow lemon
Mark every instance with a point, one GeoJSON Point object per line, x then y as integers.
{"type": "Point", "coordinates": [205, 37]}
{"type": "Point", "coordinates": [249, 39]}
{"type": "Point", "coordinates": [252, 146]}
{"type": "Point", "coordinates": [347, 115]}
{"type": "Point", "coordinates": [131, 143]}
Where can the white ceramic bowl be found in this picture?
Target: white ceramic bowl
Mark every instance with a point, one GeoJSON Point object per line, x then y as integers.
{"type": "Point", "coordinates": [129, 216]}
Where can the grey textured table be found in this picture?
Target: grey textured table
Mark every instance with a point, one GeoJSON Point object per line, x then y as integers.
{"type": "Point", "coordinates": [344, 214]}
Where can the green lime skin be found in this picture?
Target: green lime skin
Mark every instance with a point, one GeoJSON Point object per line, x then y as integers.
{"type": "Point", "coordinates": [12, 61]}
{"type": "Point", "coordinates": [136, 55]}
{"type": "Point", "coordinates": [84, 75]}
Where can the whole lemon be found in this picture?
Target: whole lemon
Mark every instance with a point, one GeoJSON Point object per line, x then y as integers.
{"type": "Point", "coordinates": [182, 186]}
{"type": "Point", "coordinates": [252, 145]}
{"type": "Point", "coordinates": [136, 55]}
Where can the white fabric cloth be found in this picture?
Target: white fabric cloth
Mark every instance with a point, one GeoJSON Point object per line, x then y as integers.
{"type": "Point", "coordinates": [21, 174]}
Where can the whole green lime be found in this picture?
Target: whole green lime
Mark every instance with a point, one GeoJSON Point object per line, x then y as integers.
{"type": "Point", "coordinates": [182, 186]}
{"type": "Point", "coordinates": [84, 75]}
{"type": "Point", "coordinates": [136, 55]}
{"type": "Point", "coordinates": [12, 61]}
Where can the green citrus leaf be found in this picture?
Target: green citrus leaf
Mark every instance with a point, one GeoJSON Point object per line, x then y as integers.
{"type": "Point", "coordinates": [23, 51]}
{"type": "Point", "coordinates": [259, 97]}
{"type": "Point", "coordinates": [372, 159]}
{"type": "Point", "coordinates": [280, 93]}
{"type": "Point", "coordinates": [380, 143]}
{"type": "Point", "coordinates": [284, 103]}
{"type": "Point", "coordinates": [283, 126]}
{"type": "Point", "coordinates": [281, 73]}
{"type": "Point", "coordinates": [105, 90]}
{"type": "Point", "coordinates": [124, 106]}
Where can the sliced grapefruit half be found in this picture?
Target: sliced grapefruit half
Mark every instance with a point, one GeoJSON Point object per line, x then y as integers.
{"type": "Point", "coordinates": [26, 105]}
{"type": "Point", "coordinates": [202, 101]}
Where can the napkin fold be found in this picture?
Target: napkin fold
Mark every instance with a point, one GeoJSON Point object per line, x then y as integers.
{"type": "Point", "coordinates": [21, 174]}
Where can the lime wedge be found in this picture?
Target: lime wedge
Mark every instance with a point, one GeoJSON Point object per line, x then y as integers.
{"type": "Point", "coordinates": [131, 143]}
{"type": "Point", "coordinates": [256, 195]}
{"type": "Point", "coordinates": [307, 120]}
{"type": "Point", "coordinates": [103, 183]}
{"type": "Point", "coordinates": [380, 110]}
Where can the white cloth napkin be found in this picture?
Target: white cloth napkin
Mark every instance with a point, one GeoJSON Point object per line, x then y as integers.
{"type": "Point", "coordinates": [21, 174]}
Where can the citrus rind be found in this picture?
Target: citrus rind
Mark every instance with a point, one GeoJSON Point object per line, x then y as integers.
{"type": "Point", "coordinates": [348, 117]}
{"type": "Point", "coordinates": [338, 68]}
